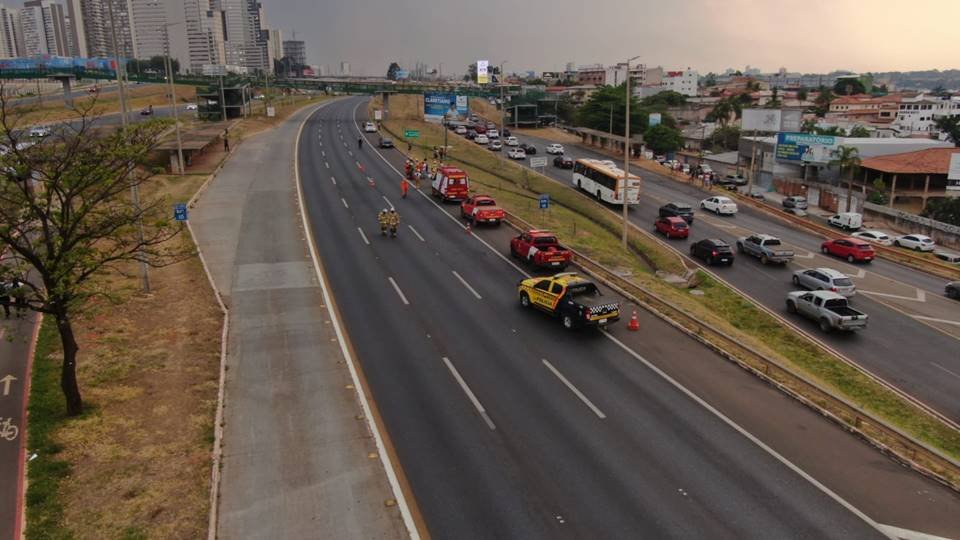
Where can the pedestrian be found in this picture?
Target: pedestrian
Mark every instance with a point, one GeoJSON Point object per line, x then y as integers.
{"type": "Point", "coordinates": [409, 147]}
{"type": "Point", "coordinates": [360, 142]}
{"type": "Point", "coordinates": [404, 187]}
{"type": "Point", "coordinates": [226, 140]}
{"type": "Point", "coordinates": [5, 298]}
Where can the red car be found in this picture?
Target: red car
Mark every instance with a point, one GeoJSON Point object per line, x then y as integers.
{"type": "Point", "coordinates": [851, 249]}
{"type": "Point", "coordinates": [672, 227]}
{"type": "Point", "coordinates": [541, 249]}
{"type": "Point", "coordinates": [481, 209]}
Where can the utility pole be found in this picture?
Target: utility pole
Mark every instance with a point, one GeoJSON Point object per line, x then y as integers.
{"type": "Point", "coordinates": [626, 157]}
{"type": "Point", "coordinates": [503, 102]}
{"type": "Point", "coordinates": [134, 187]}
{"type": "Point", "coordinates": [753, 159]}
{"type": "Point", "coordinates": [223, 102]}
{"type": "Point", "coordinates": [611, 119]}
{"type": "Point", "coordinates": [168, 63]}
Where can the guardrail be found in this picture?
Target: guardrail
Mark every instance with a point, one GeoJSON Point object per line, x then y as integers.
{"type": "Point", "coordinates": [885, 437]}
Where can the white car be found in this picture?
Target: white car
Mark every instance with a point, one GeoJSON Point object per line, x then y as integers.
{"type": "Point", "coordinates": [516, 153]}
{"type": "Point", "coordinates": [719, 205]}
{"type": "Point", "coordinates": [916, 242]}
{"type": "Point", "coordinates": [874, 237]}
{"type": "Point", "coordinates": [191, 106]}
{"type": "Point", "coordinates": [555, 148]}
{"type": "Point", "coordinates": [370, 127]}
{"type": "Point", "coordinates": [493, 134]}
{"type": "Point", "coordinates": [481, 139]}
{"type": "Point", "coordinates": [825, 279]}
{"type": "Point", "coordinates": [461, 130]}
{"type": "Point", "coordinates": [511, 141]}
{"type": "Point", "coordinates": [39, 132]}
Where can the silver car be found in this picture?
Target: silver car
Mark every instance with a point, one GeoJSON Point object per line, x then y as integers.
{"type": "Point", "coordinates": [825, 279]}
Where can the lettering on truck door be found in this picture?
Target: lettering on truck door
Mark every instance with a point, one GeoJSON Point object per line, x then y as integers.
{"type": "Point", "coordinates": [541, 294]}
{"type": "Point", "coordinates": [556, 291]}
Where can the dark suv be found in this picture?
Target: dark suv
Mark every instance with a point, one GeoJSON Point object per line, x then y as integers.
{"type": "Point", "coordinates": [712, 251]}
{"type": "Point", "coordinates": [528, 149]}
{"type": "Point", "coordinates": [676, 209]}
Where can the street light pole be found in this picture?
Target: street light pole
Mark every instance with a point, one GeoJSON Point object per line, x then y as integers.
{"type": "Point", "coordinates": [168, 63]}
{"type": "Point", "coordinates": [626, 157]}
{"type": "Point", "coordinates": [503, 103]}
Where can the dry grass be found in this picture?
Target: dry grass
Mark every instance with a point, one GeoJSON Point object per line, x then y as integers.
{"type": "Point", "coordinates": [53, 109]}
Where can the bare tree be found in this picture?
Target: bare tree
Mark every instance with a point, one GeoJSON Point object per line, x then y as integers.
{"type": "Point", "coordinates": [66, 218]}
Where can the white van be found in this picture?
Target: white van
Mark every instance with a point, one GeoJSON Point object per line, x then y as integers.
{"type": "Point", "coordinates": [848, 221]}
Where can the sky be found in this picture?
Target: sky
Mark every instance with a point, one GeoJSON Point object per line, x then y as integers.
{"type": "Point", "coordinates": [706, 35]}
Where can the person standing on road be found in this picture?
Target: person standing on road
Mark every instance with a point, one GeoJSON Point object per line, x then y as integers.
{"type": "Point", "coordinates": [360, 142]}
{"type": "Point", "coordinates": [5, 298]}
{"type": "Point", "coordinates": [404, 187]}
{"type": "Point", "coordinates": [226, 140]}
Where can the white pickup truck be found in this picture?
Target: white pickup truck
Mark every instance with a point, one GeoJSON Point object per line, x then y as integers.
{"type": "Point", "coordinates": [828, 308]}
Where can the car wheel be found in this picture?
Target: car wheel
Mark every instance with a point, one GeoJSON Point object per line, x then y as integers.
{"type": "Point", "coordinates": [895, 242]}
{"type": "Point", "coordinates": [598, 192]}
{"type": "Point", "coordinates": [915, 249]}
{"type": "Point", "coordinates": [524, 300]}
{"type": "Point", "coordinates": [825, 325]}
{"type": "Point", "coordinates": [739, 245]}
{"type": "Point", "coordinates": [849, 257]}
{"type": "Point", "coordinates": [693, 251]}
{"type": "Point", "coordinates": [568, 322]}
{"type": "Point", "coordinates": [953, 293]}
{"type": "Point", "coordinates": [763, 258]}
{"type": "Point", "coordinates": [791, 307]}
{"type": "Point", "coordinates": [709, 258]}
{"type": "Point", "coordinates": [796, 281]}
{"type": "Point", "coordinates": [823, 250]}
{"type": "Point", "coordinates": [701, 204]}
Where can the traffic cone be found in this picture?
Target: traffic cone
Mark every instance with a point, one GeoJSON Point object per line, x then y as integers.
{"type": "Point", "coordinates": [634, 323]}
{"type": "Point", "coordinates": [468, 229]}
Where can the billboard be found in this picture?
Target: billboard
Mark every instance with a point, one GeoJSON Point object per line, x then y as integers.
{"type": "Point", "coordinates": [791, 120]}
{"type": "Point", "coordinates": [483, 75]}
{"type": "Point", "coordinates": [806, 148]}
{"type": "Point", "coordinates": [655, 119]}
{"type": "Point", "coordinates": [439, 105]}
{"type": "Point", "coordinates": [760, 120]}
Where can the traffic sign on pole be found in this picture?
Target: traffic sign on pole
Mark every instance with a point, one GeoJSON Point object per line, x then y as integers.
{"type": "Point", "coordinates": [180, 212]}
{"type": "Point", "coordinates": [411, 133]}
{"type": "Point", "coordinates": [536, 162]}
{"type": "Point", "coordinates": [545, 200]}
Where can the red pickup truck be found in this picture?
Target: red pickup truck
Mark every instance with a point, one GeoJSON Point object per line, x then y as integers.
{"type": "Point", "coordinates": [541, 249]}
{"type": "Point", "coordinates": [481, 209]}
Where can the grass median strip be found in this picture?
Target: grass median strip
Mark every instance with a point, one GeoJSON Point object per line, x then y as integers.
{"type": "Point", "coordinates": [592, 229]}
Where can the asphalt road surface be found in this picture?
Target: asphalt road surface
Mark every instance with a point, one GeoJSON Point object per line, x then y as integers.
{"type": "Point", "coordinates": [911, 354]}
{"type": "Point", "coordinates": [508, 426]}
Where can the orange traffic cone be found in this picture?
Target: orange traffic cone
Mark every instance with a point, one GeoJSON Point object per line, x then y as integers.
{"type": "Point", "coordinates": [634, 323]}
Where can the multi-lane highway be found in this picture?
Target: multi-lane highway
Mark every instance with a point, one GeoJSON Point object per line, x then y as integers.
{"type": "Point", "coordinates": [912, 338]}
{"type": "Point", "coordinates": [507, 426]}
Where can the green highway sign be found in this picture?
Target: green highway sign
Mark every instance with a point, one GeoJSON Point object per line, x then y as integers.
{"type": "Point", "coordinates": [411, 133]}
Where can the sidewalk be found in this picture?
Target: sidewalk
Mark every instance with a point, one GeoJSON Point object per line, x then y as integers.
{"type": "Point", "coordinates": [295, 455]}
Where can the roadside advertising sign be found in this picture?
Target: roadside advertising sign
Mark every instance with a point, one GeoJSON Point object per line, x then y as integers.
{"type": "Point", "coordinates": [791, 120]}
{"type": "Point", "coordinates": [483, 77]}
{"type": "Point", "coordinates": [761, 120]}
{"type": "Point", "coordinates": [378, 114]}
{"type": "Point", "coordinates": [655, 119]}
{"type": "Point", "coordinates": [806, 148]}
{"type": "Point", "coordinates": [538, 162]}
{"type": "Point", "coordinates": [440, 105]}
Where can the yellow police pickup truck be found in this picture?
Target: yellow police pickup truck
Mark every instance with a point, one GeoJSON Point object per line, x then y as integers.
{"type": "Point", "coordinates": [575, 300]}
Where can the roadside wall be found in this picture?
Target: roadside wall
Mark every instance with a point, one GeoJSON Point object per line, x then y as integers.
{"type": "Point", "coordinates": [942, 233]}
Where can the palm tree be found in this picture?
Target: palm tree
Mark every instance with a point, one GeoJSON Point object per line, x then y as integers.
{"type": "Point", "coordinates": [848, 159]}
{"type": "Point", "coordinates": [722, 111]}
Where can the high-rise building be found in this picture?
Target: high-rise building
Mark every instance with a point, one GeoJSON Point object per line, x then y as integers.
{"type": "Point", "coordinates": [11, 40]}
{"type": "Point", "coordinates": [344, 68]}
{"type": "Point", "coordinates": [296, 51]}
{"type": "Point", "coordinates": [100, 18]}
{"type": "Point", "coordinates": [44, 25]}
{"type": "Point", "coordinates": [243, 40]}
{"type": "Point", "coordinates": [274, 44]}
{"type": "Point", "coordinates": [76, 29]}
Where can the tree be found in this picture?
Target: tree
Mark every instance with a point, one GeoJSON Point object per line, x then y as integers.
{"type": "Point", "coordinates": [723, 139]}
{"type": "Point", "coordinates": [946, 210]}
{"type": "Point", "coordinates": [859, 131]}
{"type": "Point", "coordinates": [775, 101]}
{"type": "Point", "coordinates": [849, 87]}
{"type": "Point", "coordinates": [666, 99]}
{"type": "Point", "coordinates": [662, 139]}
{"type": "Point", "coordinates": [848, 159]}
{"type": "Point", "coordinates": [878, 195]}
{"type": "Point", "coordinates": [823, 101]}
{"type": "Point", "coordinates": [710, 79]}
{"type": "Point", "coordinates": [726, 109]}
{"type": "Point", "coordinates": [808, 126]}
{"type": "Point", "coordinates": [67, 221]}
{"type": "Point", "coordinates": [802, 94]}
{"type": "Point", "coordinates": [951, 126]}
{"type": "Point", "coordinates": [392, 71]}
{"type": "Point", "coordinates": [610, 102]}
{"type": "Point", "coordinates": [471, 73]}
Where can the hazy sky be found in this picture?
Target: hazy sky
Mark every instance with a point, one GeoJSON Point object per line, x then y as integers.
{"type": "Point", "coordinates": [707, 35]}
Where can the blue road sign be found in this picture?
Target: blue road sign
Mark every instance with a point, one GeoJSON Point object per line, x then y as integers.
{"type": "Point", "coordinates": [180, 212]}
{"type": "Point", "coordinates": [544, 201]}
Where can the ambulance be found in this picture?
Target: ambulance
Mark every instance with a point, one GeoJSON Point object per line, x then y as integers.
{"type": "Point", "coordinates": [450, 184]}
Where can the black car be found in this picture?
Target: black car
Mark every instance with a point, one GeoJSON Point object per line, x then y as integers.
{"type": "Point", "coordinates": [505, 132]}
{"type": "Point", "coordinates": [563, 162]}
{"type": "Point", "coordinates": [471, 134]}
{"type": "Point", "coordinates": [677, 209]}
{"type": "Point", "coordinates": [386, 142]}
{"type": "Point", "coordinates": [953, 290]}
{"type": "Point", "coordinates": [529, 149]}
{"type": "Point", "coordinates": [712, 251]}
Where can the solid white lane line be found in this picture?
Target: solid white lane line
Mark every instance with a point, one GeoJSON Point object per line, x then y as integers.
{"type": "Point", "coordinates": [907, 534]}
{"type": "Point", "coordinates": [378, 437]}
{"type": "Point", "coordinates": [466, 390]}
{"type": "Point", "coordinates": [323, 154]}
{"type": "Point", "coordinates": [955, 374]}
{"type": "Point", "coordinates": [334, 180]}
{"type": "Point", "coordinates": [364, 236]}
{"type": "Point", "coordinates": [388, 201]}
{"type": "Point", "coordinates": [467, 285]}
{"type": "Point", "coordinates": [399, 292]}
{"type": "Point", "coordinates": [749, 436]}
{"type": "Point", "coordinates": [327, 163]}
{"type": "Point", "coordinates": [416, 233]}
{"type": "Point", "coordinates": [345, 205]}
{"type": "Point", "coordinates": [350, 152]}
{"type": "Point", "coordinates": [931, 319]}
{"type": "Point", "coordinates": [574, 389]}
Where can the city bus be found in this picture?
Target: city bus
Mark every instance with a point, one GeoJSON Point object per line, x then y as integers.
{"type": "Point", "coordinates": [604, 180]}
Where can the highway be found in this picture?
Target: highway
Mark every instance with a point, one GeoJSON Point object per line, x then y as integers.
{"type": "Point", "coordinates": [507, 426]}
{"type": "Point", "coordinates": [916, 355]}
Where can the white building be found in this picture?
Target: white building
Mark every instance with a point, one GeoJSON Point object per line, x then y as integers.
{"type": "Point", "coordinates": [683, 82]}
{"type": "Point", "coordinates": [919, 114]}
{"type": "Point", "coordinates": [11, 40]}
{"type": "Point", "coordinates": [96, 23]}
{"type": "Point", "coordinates": [45, 28]}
